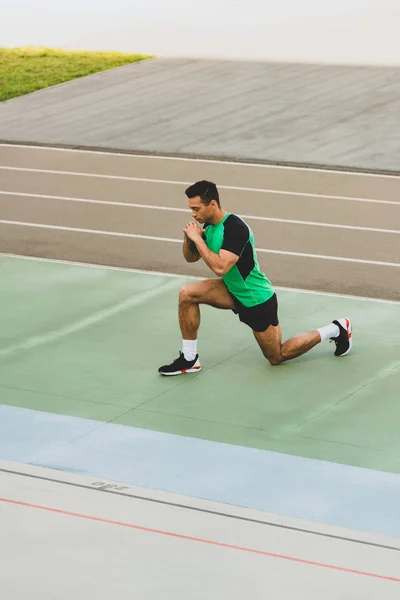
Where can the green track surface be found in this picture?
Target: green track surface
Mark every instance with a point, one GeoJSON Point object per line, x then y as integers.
{"type": "Point", "coordinates": [85, 341]}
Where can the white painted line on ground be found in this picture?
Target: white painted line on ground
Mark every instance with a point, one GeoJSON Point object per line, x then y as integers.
{"type": "Point", "coordinates": [186, 210]}
{"type": "Point", "coordinates": [187, 183]}
{"type": "Point", "coordinates": [177, 241]}
{"type": "Point", "coordinates": [181, 276]}
{"type": "Point", "coordinates": [97, 317]}
{"type": "Point", "coordinates": [197, 160]}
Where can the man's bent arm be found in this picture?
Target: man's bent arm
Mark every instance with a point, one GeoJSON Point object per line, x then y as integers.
{"type": "Point", "coordinates": [220, 263]}
{"type": "Point", "coordinates": [190, 251]}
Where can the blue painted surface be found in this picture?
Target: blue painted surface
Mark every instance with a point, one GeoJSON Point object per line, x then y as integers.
{"type": "Point", "coordinates": [325, 492]}
{"type": "Point", "coordinates": [28, 434]}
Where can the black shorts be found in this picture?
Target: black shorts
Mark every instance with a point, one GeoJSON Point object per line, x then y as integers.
{"type": "Point", "coordinates": [258, 317]}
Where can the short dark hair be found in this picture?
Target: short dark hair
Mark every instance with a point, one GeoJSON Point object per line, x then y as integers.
{"type": "Point", "coordinates": [207, 190]}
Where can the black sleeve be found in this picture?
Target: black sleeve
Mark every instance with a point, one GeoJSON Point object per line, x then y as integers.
{"type": "Point", "coordinates": [236, 235]}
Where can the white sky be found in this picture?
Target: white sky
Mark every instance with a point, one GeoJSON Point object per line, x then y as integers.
{"type": "Point", "coordinates": [344, 31]}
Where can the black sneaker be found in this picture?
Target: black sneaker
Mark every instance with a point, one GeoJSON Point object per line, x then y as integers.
{"type": "Point", "coordinates": [180, 366]}
{"type": "Point", "coordinates": [344, 340]}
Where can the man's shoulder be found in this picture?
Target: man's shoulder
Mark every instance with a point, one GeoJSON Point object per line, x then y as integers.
{"type": "Point", "coordinates": [235, 219]}
{"type": "Point", "coordinates": [236, 223]}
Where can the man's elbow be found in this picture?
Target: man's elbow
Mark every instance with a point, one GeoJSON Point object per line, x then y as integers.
{"type": "Point", "coordinates": [223, 269]}
{"type": "Point", "coordinates": [220, 271]}
{"type": "Point", "coordinates": [191, 256]}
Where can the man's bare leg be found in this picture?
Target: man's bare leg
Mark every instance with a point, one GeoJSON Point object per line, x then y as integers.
{"type": "Point", "coordinates": [189, 317]}
{"type": "Point", "coordinates": [300, 344]}
{"type": "Point", "coordinates": [210, 291]}
{"type": "Point", "coordinates": [270, 341]}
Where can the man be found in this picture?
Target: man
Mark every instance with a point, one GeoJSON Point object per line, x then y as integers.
{"type": "Point", "coordinates": [226, 244]}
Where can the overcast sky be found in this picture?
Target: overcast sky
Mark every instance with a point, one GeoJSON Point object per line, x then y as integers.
{"type": "Point", "coordinates": [344, 31]}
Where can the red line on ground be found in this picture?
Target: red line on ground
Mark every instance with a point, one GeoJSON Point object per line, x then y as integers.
{"type": "Point", "coordinates": [196, 539]}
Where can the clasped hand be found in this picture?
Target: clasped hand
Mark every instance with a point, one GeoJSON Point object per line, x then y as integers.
{"type": "Point", "coordinates": [193, 231]}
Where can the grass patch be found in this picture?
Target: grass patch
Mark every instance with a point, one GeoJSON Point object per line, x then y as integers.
{"type": "Point", "coordinates": [25, 70]}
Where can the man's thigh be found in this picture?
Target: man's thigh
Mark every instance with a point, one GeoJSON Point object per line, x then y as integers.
{"type": "Point", "coordinates": [209, 291]}
{"type": "Point", "coordinates": [270, 342]}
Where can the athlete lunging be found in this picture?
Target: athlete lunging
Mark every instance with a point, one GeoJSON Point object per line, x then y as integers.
{"type": "Point", "coordinates": [226, 244]}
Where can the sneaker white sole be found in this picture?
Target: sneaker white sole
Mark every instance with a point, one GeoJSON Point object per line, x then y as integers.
{"type": "Point", "coordinates": [183, 372]}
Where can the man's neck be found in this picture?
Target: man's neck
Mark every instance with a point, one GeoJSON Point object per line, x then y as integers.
{"type": "Point", "coordinates": [218, 217]}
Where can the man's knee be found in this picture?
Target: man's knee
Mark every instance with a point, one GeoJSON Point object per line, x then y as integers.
{"type": "Point", "coordinates": [275, 357]}
{"type": "Point", "coordinates": [273, 353]}
{"type": "Point", "coordinates": [186, 294]}
{"type": "Point", "coordinates": [275, 360]}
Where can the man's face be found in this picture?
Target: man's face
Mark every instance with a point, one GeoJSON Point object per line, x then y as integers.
{"type": "Point", "coordinates": [200, 212]}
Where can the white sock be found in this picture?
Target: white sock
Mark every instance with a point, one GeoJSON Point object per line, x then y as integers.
{"type": "Point", "coordinates": [328, 332]}
{"type": "Point", "coordinates": [189, 349]}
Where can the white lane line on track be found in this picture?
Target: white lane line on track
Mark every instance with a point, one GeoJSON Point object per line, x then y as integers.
{"type": "Point", "coordinates": [187, 183]}
{"type": "Point", "coordinates": [181, 276]}
{"type": "Point", "coordinates": [197, 160]}
{"type": "Point", "coordinates": [177, 241]}
{"type": "Point", "coordinates": [185, 210]}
